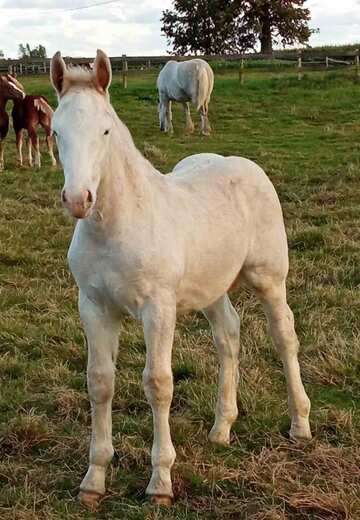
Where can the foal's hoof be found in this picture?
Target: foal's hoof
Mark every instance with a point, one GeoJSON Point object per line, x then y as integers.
{"type": "Point", "coordinates": [90, 499]}
{"type": "Point", "coordinates": [161, 500]}
{"type": "Point", "coordinates": [219, 437]}
{"type": "Point", "coordinates": [300, 433]}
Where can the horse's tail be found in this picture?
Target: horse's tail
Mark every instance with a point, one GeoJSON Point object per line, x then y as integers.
{"type": "Point", "coordinates": [203, 88]}
{"type": "Point", "coordinates": [42, 105]}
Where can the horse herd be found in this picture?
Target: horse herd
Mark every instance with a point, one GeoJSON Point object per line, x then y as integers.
{"type": "Point", "coordinates": [185, 81]}
{"type": "Point", "coordinates": [153, 246]}
{"type": "Point", "coordinates": [27, 113]}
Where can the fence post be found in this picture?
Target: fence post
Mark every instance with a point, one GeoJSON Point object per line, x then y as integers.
{"type": "Point", "coordinates": [327, 62]}
{"type": "Point", "coordinates": [124, 70]}
{"type": "Point", "coordinates": [357, 62]}
{"type": "Point", "coordinates": [241, 71]}
{"type": "Point", "coordinates": [149, 64]}
{"type": "Point", "coordinates": [299, 66]}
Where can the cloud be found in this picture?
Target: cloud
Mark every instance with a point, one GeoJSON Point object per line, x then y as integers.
{"type": "Point", "coordinates": [37, 4]}
{"type": "Point", "coordinates": [39, 21]}
{"type": "Point", "coordinates": [133, 26]}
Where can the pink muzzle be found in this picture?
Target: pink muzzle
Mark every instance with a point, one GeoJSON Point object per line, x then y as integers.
{"type": "Point", "coordinates": [78, 205]}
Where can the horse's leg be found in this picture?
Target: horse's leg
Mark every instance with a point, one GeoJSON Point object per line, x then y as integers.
{"type": "Point", "coordinates": [170, 127]}
{"type": "Point", "coordinates": [272, 294]}
{"type": "Point", "coordinates": [225, 325]}
{"type": "Point", "coordinates": [44, 121]}
{"type": "Point", "coordinates": [2, 146]}
{"type": "Point", "coordinates": [159, 324]}
{"type": "Point", "coordinates": [189, 125]}
{"type": "Point", "coordinates": [205, 125]}
{"type": "Point", "coordinates": [19, 145]}
{"type": "Point", "coordinates": [102, 336]}
{"type": "Point", "coordinates": [30, 156]}
{"type": "Point", "coordinates": [50, 146]}
{"type": "Point", "coordinates": [36, 145]}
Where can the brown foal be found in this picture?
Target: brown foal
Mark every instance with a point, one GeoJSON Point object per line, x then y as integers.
{"type": "Point", "coordinates": [8, 90]}
{"type": "Point", "coordinates": [27, 114]}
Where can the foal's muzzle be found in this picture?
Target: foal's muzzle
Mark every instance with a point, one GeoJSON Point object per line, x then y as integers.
{"type": "Point", "coordinates": [79, 205]}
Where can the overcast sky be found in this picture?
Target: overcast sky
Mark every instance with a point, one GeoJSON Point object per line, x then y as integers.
{"type": "Point", "coordinates": [132, 26]}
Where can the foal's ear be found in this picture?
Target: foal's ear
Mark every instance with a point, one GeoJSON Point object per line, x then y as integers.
{"type": "Point", "coordinates": [102, 70]}
{"type": "Point", "coordinates": [57, 72]}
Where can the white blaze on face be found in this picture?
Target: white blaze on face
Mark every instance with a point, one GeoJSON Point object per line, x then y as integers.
{"type": "Point", "coordinates": [82, 125]}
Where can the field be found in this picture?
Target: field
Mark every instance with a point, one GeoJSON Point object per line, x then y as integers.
{"type": "Point", "coordinates": [306, 135]}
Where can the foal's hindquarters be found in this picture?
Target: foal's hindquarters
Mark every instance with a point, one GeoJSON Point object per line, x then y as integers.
{"type": "Point", "coordinates": [28, 114]}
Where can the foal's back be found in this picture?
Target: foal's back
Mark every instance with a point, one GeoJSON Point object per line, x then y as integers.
{"type": "Point", "coordinates": [30, 112]}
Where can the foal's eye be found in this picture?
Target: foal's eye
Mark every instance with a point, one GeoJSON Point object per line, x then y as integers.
{"type": "Point", "coordinates": [106, 132]}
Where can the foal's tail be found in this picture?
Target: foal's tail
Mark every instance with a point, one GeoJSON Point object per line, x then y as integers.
{"type": "Point", "coordinates": [42, 105]}
{"type": "Point", "coordinates": [203, 88]}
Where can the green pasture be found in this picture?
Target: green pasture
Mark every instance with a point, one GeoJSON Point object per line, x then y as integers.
{"type": "Point", "coordinates": [306, 135]}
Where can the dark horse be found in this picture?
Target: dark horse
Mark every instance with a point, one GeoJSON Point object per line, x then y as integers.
{"type": "Point", "coordinates": [27, 114]}
{"type": "Point", "coordinates": [9, 89]}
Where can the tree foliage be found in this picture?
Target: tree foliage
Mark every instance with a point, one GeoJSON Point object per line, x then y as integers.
{"type": "Point", "coordinates": [228, 26]}
{"type": "Point", "coordinates": [25, 51]}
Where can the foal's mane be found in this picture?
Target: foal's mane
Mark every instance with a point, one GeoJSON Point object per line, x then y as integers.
{"type": "Point", "coordinates": [78, 76]}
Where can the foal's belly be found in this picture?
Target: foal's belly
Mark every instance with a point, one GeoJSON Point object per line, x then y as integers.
{"type": "Point", "coordinates": [205, 282]}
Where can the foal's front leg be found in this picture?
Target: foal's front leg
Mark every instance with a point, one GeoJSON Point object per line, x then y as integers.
{"type": "Point", "coordinates": [102, 337]}
{"type": "Point", "coordinates": [159, 323]}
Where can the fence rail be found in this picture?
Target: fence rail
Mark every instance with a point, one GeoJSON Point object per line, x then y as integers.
{"type": "Point", "coordinates": [299, 59]}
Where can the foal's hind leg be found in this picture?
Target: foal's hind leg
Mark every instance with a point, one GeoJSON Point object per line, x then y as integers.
{"type": "Point", "coordinates": [34, 143]}
{"type": "Point", "coordinates": [272, 294]}
{"type": "Point", "coordinates": [2, 145]}
{"type": "Point", "coordinates": [19, 144]}
{"type": "Point", "coordinates": [49, 142]}
{"type": "Point", "coordinates": [225, 325]}
{"type": "Point", "coordinates": [189, 125]}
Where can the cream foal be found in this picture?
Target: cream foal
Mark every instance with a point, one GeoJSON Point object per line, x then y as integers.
{"type": "Point", "coordinates": [152, 245]}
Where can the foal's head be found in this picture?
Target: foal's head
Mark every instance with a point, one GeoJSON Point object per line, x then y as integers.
{"type": "Point", "coordinates": [82, 124]}
{"type": "Point", "coordinates": [10, 88]}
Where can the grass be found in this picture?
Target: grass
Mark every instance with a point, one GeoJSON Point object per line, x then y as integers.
{"type": "Point", "coordinates": [306, 135]}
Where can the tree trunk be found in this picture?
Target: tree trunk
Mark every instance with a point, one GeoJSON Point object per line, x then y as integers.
{"type": "Point", "coordinates": [265, 35]}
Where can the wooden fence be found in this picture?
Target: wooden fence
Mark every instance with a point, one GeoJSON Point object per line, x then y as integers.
{"type": "Point", "coordinates": [279, 61]}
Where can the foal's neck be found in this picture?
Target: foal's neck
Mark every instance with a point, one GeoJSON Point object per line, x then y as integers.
{"type": "Point", "coordinates": [127, 181]}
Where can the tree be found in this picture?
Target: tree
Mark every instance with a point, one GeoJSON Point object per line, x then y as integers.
{"type": "Point", "coordinates": [2, 54]}
{"type": "Point", "coordinates": [279, 21]}
{"type": "Point", "coordinates": [25, 51]}
{"type": "Point", "coordinates": [228, 26]}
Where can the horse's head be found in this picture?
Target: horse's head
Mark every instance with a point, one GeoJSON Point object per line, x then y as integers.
{"type": "Point", "coordinates": [10, 88]}
{"type": "Point", "coordinates": [82, 124]}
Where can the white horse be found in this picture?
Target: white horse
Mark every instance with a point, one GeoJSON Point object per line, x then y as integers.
{"type": "Point", "coordinates": [185, 81]}
{"type": "Point", "coordinates": [154, 245]}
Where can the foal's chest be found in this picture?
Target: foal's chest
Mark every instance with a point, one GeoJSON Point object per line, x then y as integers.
{"type": "Point", "coordinates": [110, 279]}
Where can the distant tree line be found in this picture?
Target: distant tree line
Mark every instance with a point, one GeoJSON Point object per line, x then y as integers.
{"type": "Point", "coordinates": [25, 51]}
{"type": "Point", "coordinates": [231, 26]}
